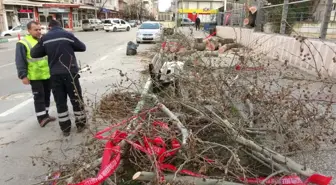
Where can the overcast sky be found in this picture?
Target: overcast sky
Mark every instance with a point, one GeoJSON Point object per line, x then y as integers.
{"type": "Point", "coordinates": [164, 5]}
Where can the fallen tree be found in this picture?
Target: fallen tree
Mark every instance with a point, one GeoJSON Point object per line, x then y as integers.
{"type": "Point", "coordinates": [232, 118]}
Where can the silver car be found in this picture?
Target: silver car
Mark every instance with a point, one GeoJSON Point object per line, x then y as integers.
{"type": "Point", "coordinates": [149, 32]}
{"type": "Point", "coordinates": [187, 22]}
{"type": "Point", "coordinates": [92, 24]}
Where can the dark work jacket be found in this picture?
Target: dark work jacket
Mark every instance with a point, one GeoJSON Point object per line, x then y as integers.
{"type": "Point", "coordinates": [198, 20]}
{"type": "Point", "coordinates": [60, 47]}
{"type": "Point", "coordinates": [21, 60]}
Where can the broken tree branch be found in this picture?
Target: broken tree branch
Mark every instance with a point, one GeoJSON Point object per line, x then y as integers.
{"type": "Point", "coordinates": [182, 128]}
{"type": "Point", "coordinates": [149, 176]}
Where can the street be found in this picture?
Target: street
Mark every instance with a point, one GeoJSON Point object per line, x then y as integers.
{"type": "Point", "coordinates": [21, 138]}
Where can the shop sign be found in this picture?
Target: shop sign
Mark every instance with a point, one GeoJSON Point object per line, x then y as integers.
{"type": "Point", "coordinates": [198, 11]}
{"type": "Point", "coordinates": [25, 11]}
{"type": "Point", "coordinates": [54, 10]}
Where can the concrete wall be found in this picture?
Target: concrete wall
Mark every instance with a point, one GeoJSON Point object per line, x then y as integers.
{"type": "Point", "coordinates": [321, 53]}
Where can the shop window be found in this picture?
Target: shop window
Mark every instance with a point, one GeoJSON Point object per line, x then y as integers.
{"type": "Point", "coordinates": [22, 15]}
{"type": "Point", "coordinates": [43, 18]}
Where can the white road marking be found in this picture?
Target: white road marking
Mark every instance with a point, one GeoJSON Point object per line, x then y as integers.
{"type": "Point", "coordinates": [5, 65]}
{"type": "Point", "coordinates": [17, 107]}
{"type": "Point", "coordinates": [120, 48]}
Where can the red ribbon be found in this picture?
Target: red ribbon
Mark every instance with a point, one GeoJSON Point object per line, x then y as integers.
{"type": "Point", "coordinates": [239, 67]}
{"type": "Point", "coordinates": [290, 180]}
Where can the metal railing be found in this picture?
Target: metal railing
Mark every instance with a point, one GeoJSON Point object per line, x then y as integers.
{"type": "Point", "coordinates": [309, 18]}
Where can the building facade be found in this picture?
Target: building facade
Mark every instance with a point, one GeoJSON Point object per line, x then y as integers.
{"type": "Point", "coordinates": [69, 12]}
{"type": "Point", "coordinates": [2, 16]}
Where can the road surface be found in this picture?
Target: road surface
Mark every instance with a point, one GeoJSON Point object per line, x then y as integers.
{"type": "Point", "coordinates": [21, 139]}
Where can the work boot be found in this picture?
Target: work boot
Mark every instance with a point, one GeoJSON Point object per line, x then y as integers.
{"type": "Point", "coordinates": [45, 121]}
{"type": "Point", "coordinates": [66, 134]}
{"type": "Point", "coordinates": [81, 128]}
{"type": "Point", "coordinates": [81, 125]}
{"type": "Point", "coordinates": [52, 118]}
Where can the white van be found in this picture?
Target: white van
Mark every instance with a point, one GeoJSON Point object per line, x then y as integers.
{"type": "Point", "coordinates": [116, 25]}
{"type": "Point", "coordinates": [92, 24]}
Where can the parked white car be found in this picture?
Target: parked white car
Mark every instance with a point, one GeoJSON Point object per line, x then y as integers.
{"type": "Point", "coordinates": [22, 30]}
{"type": "Point", "coordinates": [116, 25]}
{"type": "Point", "coordinates": [149, 32]}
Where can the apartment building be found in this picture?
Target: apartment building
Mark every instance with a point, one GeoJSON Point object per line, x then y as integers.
{"type": "Point", "coordinates": [68, 12]}
{"type": "Point", "coordinates": [2, 16]}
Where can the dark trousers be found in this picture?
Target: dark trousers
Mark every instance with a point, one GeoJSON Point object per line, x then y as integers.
{"type": "Point", "coordinates": [197, 26]}
{"type": "Point", "coordinates": [63, 86]}
{"type": "Point", "coordinates": [41, 91]}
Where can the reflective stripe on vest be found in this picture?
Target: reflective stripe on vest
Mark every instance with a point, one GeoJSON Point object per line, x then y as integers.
{"type": "Point", "coordinates": [38, 68]}
{"type": "Point", "coordinates": [30, 47]}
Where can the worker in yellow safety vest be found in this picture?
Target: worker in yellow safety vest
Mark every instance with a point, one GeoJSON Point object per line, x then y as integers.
{"type": "Point", "coordinates": [34, 71]}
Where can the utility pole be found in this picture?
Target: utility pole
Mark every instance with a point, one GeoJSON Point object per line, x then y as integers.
{"type": "Point", "coordinates": [284, 17]}
{"type": "Point", "coordinates": [326, 19]}
{"type": "Point", "coordinates": [176, 14]}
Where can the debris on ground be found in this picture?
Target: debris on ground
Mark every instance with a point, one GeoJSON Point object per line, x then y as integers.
{"type": "Point", "coordinates": [228, 118]}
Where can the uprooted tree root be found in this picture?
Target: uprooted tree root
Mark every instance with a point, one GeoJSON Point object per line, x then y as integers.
{"type": "Point", "coordinates": [243, 113]}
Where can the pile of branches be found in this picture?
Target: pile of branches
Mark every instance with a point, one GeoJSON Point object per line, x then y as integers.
{"type": "Point", "coordinates": [230, 116]}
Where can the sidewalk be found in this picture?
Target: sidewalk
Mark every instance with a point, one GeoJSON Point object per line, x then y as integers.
{"type": "Point", "coordinates": [15, 38]}
{"type": "Point", "coordinates": [5, 39]}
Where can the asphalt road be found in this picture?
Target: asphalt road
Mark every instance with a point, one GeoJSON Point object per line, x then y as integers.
{"type": "Point", "coordinates": [16, 101]}
{"type": "Point", "coordinates": [22, 140]}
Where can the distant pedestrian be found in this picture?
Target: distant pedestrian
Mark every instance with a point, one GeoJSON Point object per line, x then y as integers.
{"type": "Point", "coordinates": [60, 47]}
{"type": "Point", "coordinates": [197, 23]}
{"type": "Point", "coordinates": [34, 71]}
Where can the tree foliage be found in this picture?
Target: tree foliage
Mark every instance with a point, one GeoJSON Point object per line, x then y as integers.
{"type": "Point", "coordinates": [136, 10]}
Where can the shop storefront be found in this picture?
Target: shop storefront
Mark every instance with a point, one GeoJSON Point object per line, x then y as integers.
{"type": "Point", "coordinates": [60, 14]}
{"type": "Point", "coordinates": [16, 15]}
{"type": "Point", "coordinates": [107, 13]}
{"type": "Point", "coordinates": [205, 14]}
{"type": "Point", "coordinates": [66, 14]}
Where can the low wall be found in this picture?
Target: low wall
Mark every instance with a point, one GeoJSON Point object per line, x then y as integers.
{"type": "Point", "coordinates": [309, 55]}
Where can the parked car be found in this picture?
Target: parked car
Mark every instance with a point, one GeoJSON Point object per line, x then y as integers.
{"type": "Point", "coordinates": [116, 25]}
{"type": "Point", "coordinates": [92, 24]}
{"type": "Point", "coordinates": [132, 23]}
{"type": "Point", "coordinates": [22, 30]}
{"type": "Point", "coordinates": [187, 22]}
{"type": "Point", "coordinates": [149, 32]}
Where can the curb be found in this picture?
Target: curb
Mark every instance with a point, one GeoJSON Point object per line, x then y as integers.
{"type": "Point", "coordinates": [5, 40]}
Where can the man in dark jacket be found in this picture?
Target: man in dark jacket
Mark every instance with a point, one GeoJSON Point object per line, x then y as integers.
{"type": "Point", "coordinates": [198, 23]}
{"type": "Point", "coordinates": [60, 47]}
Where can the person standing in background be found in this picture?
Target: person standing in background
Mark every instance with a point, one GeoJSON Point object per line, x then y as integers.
{"type": "Point", "coordinates": [60, 47]}
{"type": "Point", "coordinates": [197, 23]}
{"type": "Point", "coordinates": [34, 71]}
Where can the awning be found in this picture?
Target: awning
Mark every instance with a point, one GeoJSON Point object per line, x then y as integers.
{"type": "Point", "coordinates": [23, 3]}
{"type": "Point", "coordinates": [58, 5]}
